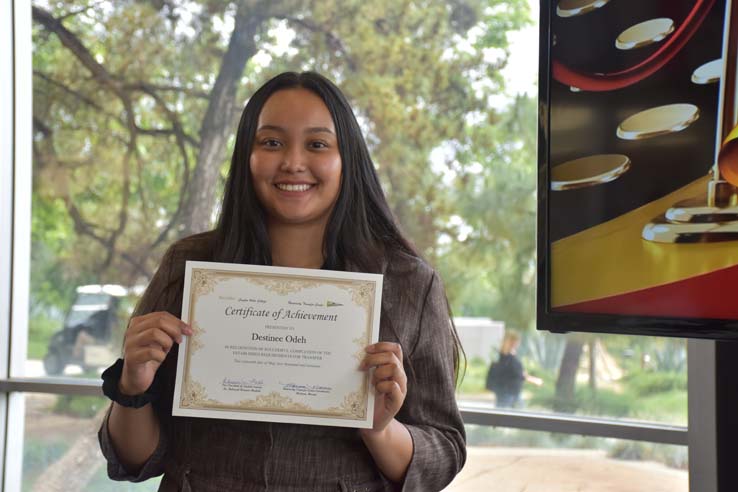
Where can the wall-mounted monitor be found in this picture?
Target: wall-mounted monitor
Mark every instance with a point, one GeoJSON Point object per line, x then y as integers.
{"type": "Point", "coordinates": [638, 161]}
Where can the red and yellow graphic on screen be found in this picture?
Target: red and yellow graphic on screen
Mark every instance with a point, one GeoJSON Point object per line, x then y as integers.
{"type": "Point", "coordinates": [643, 208]}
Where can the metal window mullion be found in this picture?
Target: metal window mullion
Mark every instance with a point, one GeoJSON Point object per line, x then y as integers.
{"type": "Point", "coordinates": [6, 179]}
{"type": "Point", "coordinates": [702, 401]}
{"type": "Point", "coordinates": [566, 424]}
{"type": "Point", "coordinates": [6, 209]}
{"type": "Point", "coordinates": [472, 414]}
{"type": "Point", "coordinates": [20, 54]}
{"type": "Point", "coordinates": [57, 386]}
{"type": "Point", "coordinates": [14, 442]}
{"type": "Point", "coordinates": [22, 165]}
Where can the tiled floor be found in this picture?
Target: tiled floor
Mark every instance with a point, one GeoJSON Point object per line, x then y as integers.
{"type": "Point", "coordinates": [552, 470]}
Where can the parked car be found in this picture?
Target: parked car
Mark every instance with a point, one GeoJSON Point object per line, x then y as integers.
{"type": "Point", "coordinates": [89, 335]}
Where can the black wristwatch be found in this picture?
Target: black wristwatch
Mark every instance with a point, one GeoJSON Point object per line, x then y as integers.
{"type": "Point", "coordinates": [111, 378]}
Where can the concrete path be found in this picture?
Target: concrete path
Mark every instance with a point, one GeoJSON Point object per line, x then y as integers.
{"type": "Point", "coordinates": [554, 470]}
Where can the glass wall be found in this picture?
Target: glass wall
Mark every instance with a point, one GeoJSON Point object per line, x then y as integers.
{"type": "Point", "coordinates": [60, 445]}
{"type": "Point", "coordinates": [132, 136]}
{"type": "Point", "coordinates": [129, 155]}
{"type": "Point", "coordinates": [60, 450]}
{"type": "Point", "coordinates": [128, 158]}
{"type": "Point", "coordinates": [510, 460]}
{"type": "Point", "coordinates": [624, 377]}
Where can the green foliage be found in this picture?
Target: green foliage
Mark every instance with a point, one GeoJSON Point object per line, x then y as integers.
{"type": "Point", "coordinates": [494, 195]}
{"type": "Point", "coordinates": [40, 330]}
{"type": "Point", "coordinates": [40, 453]}
{"type": "Point", "coordinates": [479, 435]}
{"type": "Point", "coordinates": [108, 191]}
{"type": "Point", "coordinates": [603, 402]}
{"type": "Point", "coordinates": [668, 407]}
{"type": "Point", "coordinates": [670, 455]}
{"type": "Point", "coordinates": [640, 394]}
{"type": "Point", "coordinates": [673, 456]}
{"type": "Point", "coordinates": [474, 378]}
{"type": "Point", "coordinates": [79, 406]}
{"type": "Point", "coordinates": [643, 384]}
{"type": "Point", "coordinates": [37, 456]}
{"type": "Point", "coordinates": [644, 396]}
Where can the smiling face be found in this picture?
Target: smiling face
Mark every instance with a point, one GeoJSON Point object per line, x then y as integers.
{"type": "Point", "coordinates": [295, 164]}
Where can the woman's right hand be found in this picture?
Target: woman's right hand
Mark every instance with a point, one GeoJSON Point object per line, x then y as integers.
{"type": "Point", "coordinates": [147, 342]}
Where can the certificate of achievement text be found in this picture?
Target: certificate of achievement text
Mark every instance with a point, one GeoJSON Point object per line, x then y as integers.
{"type": "Point", "coordinates": [277, 344]}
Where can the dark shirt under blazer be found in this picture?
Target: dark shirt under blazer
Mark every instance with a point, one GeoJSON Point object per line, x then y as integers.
{"type": "Point", "coordinates": [227, 455]}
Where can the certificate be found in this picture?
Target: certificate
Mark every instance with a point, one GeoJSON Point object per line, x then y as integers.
{"type": "Point", "coordinates": [277, 344]}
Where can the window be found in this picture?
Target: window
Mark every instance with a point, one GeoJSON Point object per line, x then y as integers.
{"type": "Point", "coordinates": [125, 157]}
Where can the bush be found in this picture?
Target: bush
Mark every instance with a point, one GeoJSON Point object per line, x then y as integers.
{"type": "Point", "coordinates": [666, 407]}
{"type": "Point", "coordinates": [474, 378]}
{"type": "Point", "coordinates": [40, 330]}
{"type": "Point", "coordinates": [647, 383]}
{"type": "Point", "coordinates": [79, 406]}
{"type": "Point", "coordinates": [604, 402]}
{"type": "Point", "coordinates": [670, 455]}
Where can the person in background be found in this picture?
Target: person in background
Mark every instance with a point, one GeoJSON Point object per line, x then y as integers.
{"type": "Point", "coordinates": [506, 376]}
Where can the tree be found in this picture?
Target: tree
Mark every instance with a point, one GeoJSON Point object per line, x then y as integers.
{"type": "Point", "coordinates": [160, 112]}
{"type": "Point", "coordinates": [495, 199]}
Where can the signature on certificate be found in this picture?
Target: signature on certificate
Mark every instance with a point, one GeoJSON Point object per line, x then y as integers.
{"type": "Point", "coordinates": [305, 389]}
{"type": "Point", "coordinates": [251, 385]}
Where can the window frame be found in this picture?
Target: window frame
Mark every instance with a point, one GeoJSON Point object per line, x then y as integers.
{"type": "Point", "coordinates": [6, 205]}
{"type": "Point", "coordinates": [15, 247]}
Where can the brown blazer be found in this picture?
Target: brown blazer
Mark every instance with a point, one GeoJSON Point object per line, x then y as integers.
{"type": "Point", "coordinates": [227, 455]}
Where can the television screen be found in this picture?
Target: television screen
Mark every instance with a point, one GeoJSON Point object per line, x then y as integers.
{"type": "Point", "coordinates": [638, 161]}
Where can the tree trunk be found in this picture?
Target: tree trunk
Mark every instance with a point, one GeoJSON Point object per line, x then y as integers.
{"type": "Point", "coordinates": [592, 345]}
{"type": "Point", "coordinates": [217, 124]}
{"type": "Point", "coordinates": [566, 382]}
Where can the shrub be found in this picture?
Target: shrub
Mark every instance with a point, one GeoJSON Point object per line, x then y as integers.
{"type": "Point", "coordinates": [604, 402]}
{"type": "Point", "coordinates": [474, 377]}
{"type": "Point", "coordinates": [647, 383]}
{"type": "Point", "coordinates": [79, 406]}
{"type": "Point", "coordinates": [670, 455]}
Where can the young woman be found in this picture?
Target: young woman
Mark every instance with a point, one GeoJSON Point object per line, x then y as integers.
{"type": "Point", "coordinates": [301, 192]}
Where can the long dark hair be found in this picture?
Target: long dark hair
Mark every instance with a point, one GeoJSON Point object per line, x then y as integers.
{"type": "Point", "coordinates": [361, 230]}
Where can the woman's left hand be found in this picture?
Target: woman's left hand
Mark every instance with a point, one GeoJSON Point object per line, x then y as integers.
{"type": "Point", "coordinates": [389, 379]}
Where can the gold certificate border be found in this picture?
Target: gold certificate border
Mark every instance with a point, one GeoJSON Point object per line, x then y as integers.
{"type": "Point", "coordinates": [203, 281]}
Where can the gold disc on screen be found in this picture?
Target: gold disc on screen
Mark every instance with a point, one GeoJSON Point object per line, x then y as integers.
{"type": "Point", "coordinates": [645, 33]}
{"type": "Point", "coordinates": [588, 171]}
{"type": "Point", "coordinates": [657, 121]}
{"type": "Point", "coordinates": [570, 8]}
{"type": "Point", "coordinates": [709, 73]}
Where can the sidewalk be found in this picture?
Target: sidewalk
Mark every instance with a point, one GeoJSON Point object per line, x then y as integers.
{"type": "Point", "coordinates": [562, 470]}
